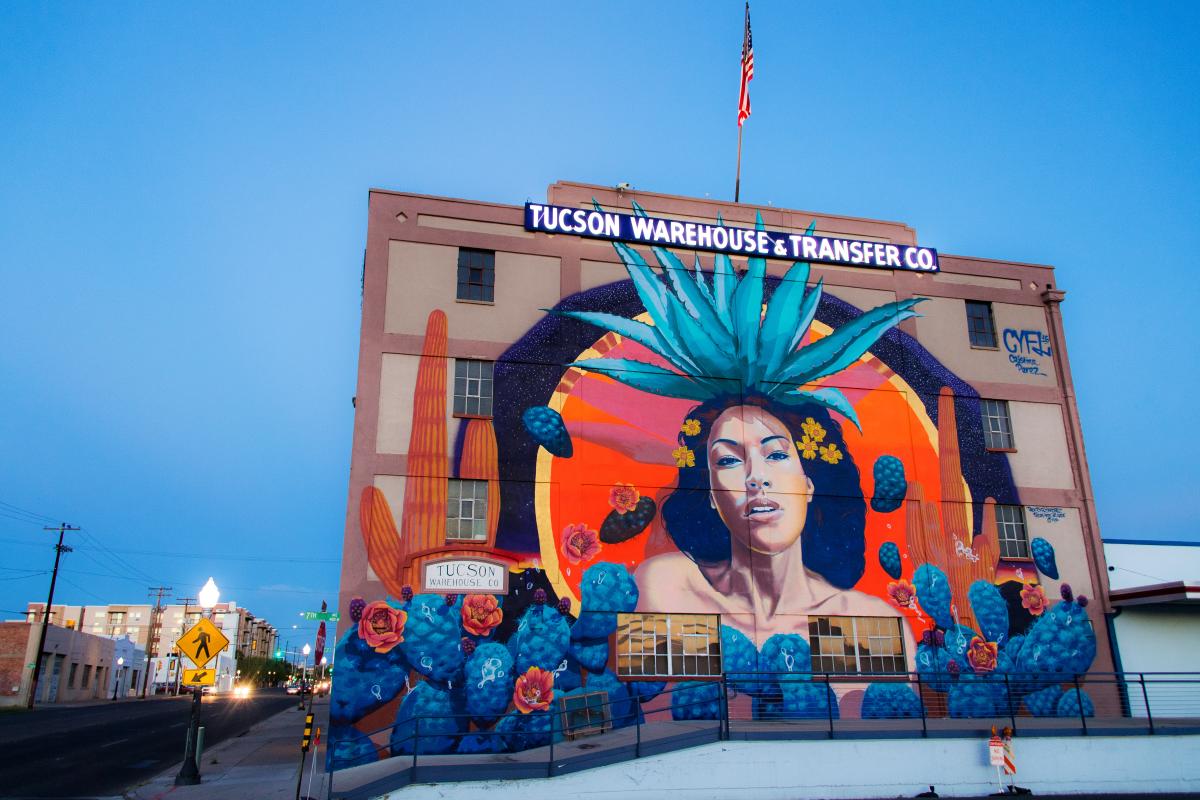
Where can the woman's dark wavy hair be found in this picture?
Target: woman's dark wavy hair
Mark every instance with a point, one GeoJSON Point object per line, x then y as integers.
{"type": "Point", "coordinates": [833, 541]}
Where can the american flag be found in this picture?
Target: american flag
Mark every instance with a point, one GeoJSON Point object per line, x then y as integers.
{"type": "Point", "coordinates": [747, 72]}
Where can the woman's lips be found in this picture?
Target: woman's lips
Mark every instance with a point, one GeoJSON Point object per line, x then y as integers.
{"type": "Point", "coordinates": [761, 507]}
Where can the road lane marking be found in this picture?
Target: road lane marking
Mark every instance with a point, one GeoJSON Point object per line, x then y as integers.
{"type": "Point", "coordinates": [118, 741]}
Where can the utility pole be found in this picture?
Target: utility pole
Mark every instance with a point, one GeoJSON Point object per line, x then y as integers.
{"type": "Point", "coordinates": [154, 617]}
{"type": "Point", "coordinates": [187, 602]}
{"type": "Point", "coordinates": [59, 549]}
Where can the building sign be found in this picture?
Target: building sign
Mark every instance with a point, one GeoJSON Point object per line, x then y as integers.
{"type": "Point", "coordinates": [613, 226]}
{"type": "Point", "coordinates": [466, 576]}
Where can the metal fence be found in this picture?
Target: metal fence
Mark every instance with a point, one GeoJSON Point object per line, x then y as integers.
{"type": "Point", "coordinates": [789, 705]}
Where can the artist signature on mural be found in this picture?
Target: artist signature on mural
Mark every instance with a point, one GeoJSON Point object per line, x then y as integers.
{"type": "Point", "coordinates": [1048, 513]}
{"type": "Point", "coordinates": [963, 551]}
{"type": "Point", "coordinates": [1024, 347]}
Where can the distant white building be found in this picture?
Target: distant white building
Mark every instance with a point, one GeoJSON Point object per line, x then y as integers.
{"type": "Point", "coordinates": [1155, 590]}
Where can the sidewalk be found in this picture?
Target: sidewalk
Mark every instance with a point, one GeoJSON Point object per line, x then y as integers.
{"type": "Point", "coordinates": [261, 764]}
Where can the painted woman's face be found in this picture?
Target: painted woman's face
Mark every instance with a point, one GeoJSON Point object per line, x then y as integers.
{"type": "Point", "coordinates": [759, 487]}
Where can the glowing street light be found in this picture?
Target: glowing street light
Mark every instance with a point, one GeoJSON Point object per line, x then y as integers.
{"type": "Point", "coordinates": [209, 595]}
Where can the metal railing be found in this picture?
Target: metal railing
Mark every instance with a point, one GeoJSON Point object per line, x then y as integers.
{"type": "Point", "coordinates": [762, 705]}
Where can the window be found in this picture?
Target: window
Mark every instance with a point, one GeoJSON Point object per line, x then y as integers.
{"type": "Point", "coordinates": [466, 511]}
{"type": "Point", "coordinates": [668, 645]}
{"type": "Point", "coordinates": [856, 644]}
{"type": "Point", "coordinates": [71, 676]}
{"type": "Point", "coordinates": [997, 427]}
{"type": "Point", "coordinates": [1010, 532]}
{"type": "Point", "coordinates": [87, 676]}
{"type": "Point", "coordinates": [472, 387]}
{"type": "Point", "coordinates": [476, 274]}
{"type": "Point", "coordinates": [980, 325]}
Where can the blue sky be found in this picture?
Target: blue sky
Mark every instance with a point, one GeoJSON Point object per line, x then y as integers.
{"type": "Point", "coordinates": [183, 214]}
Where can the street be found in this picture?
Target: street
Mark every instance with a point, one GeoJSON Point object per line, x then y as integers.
{"type": "Point", "coordinates": [101, 750]}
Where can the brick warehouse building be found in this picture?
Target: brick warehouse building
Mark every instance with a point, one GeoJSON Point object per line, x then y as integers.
{"type": "Point", "coordinates": [883, 477]}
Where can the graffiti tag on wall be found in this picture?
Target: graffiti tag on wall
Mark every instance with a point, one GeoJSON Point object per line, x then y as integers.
{"type": "Point", "coordinates": [1048, 513]}
{"type": "Point", "coordinates": [1025, 347]}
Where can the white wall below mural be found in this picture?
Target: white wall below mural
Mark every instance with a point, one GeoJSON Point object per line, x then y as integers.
{"type": "Point", "coordinates": [849, 769]}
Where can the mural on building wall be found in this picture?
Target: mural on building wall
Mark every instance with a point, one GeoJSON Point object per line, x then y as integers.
{"type": "Point", "coordinates": [697, 440]}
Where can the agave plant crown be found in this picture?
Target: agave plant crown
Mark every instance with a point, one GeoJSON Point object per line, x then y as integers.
{"type": "Point", "coordinates": [719, 341]}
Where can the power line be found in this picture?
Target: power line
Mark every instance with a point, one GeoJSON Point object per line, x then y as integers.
{"type": "Point", "coordinates": [11, 507]}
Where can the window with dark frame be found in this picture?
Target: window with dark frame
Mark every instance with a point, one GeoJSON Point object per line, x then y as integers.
{"type": "Point", "coordinates": [863, 645]}
{"type": "Point", "coordinates": [1011, 533]}
{"type": "Point", "coordinates": [981, 326]}
{"type": "Point", "coordinates": [466, 511]}
{"type": "Point", "coordinates": [476, 274]}
{"type": "Point", "coordinates": [473, 387]}
{"type": "Point", "coordinates": [668, 645]}
{"type": "Point", "coordinates": [997, 426]}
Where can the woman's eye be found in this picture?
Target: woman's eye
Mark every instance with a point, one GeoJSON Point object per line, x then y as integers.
{"type": "Point", "coordinates": [728, 461]}
{"type": "Point", "coordinates": [778, 455]}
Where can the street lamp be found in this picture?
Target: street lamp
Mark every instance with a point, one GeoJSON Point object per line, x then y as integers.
{"type": "Point", "coordinates": [120, 663]}
{"type": "Point", "coordinates": [189, 773]}
{"type": "Point", "coordinates": [304, 673]}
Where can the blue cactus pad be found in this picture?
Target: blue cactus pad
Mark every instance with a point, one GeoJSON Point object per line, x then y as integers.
{"type": "Point", "coordinates": [808, 700]}
{"type": "Point", "coordinates": [890, 486]}
{"type": "Point", "coordinates": [606, 590]}
{"type": "Point", "coordinates": [1068, 704]}
{"type": "Point", "coordinates": [890, 701]}
{"type": "Point", "coordinates": [1043, 557]}
{"type": "Point", "coordinates": [439, 725]}
{"type": "Point", "coordinates": [1044, 702]}
{"type": "Point", "coordinates": [990, 610]}
{"type": "Point", "coordinates": [546, 427]}
{"type": "Point", "coordinates": [645, 691]}
{"type": "Point", "coordinates": [933, 593]}
{"type": "Point", "coordinates": [364, 674]}
{"type": "Point", "coordinates": [1061, 643]}
{"type": "Point", "coordinates": [348, 747]}
{"type": "Point", "coordinates": [433, 637]}
{"type": "Point", "coordinates": [621, 707]}
{"type": "Point", "coordinates": [789, 657]}
{"type": "Point", "coordinates": [696, 700]}
{"type": "Point", "coordinates": [933, 664]}
{"type": "Point", "coordinates": [889, 559]}
{"type": "Point", "coordinates": [488, 678]}
{"type": "Point", "coordinates": [592, 654]}
{"type": "Point", "coordinates": [541, 640]}
{"type": "Point", "coordinates": [482, 742]}
{"type": "Point", "coordinates": [739, 658]}
{"type": "Point", "coordinates": [523, 731]}
{"type": "Point", "coordinates": [973, 697]}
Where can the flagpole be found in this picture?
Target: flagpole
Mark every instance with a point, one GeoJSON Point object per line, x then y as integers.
{"type": "Point", "coordinates": [737, 184]}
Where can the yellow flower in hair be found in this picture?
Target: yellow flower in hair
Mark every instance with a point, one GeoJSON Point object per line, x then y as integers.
{"type": "Point", "coordinates": [813, 430]}
{"type": "Point", "coordinates": [691, 427]}
{"type": "Point", "coordinates": [831, 454]}
{"type": "Point", "coordinates": [684, 457]}
{"type": "Point", "coordinates": [807, 448]}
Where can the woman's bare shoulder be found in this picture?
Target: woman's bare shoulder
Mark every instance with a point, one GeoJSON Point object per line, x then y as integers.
{"type": "Point", "coordinates": [852, 602]}
{"type": "Point", "coordinates": [662, 578]}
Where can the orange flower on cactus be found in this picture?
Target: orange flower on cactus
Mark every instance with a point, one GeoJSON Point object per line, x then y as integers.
{"type": "Point", "coordinates": [982, 655]}
{"type": "Point", "coordinates": [902, 593]}
{"type": "Point", "coordinates": [580, 543]}
{"type": "Point", "coordinates": [1034, 600]}
{"type": "Point", "coordinates": [534, 690]}
{"type": "Point", "coordinates": [381, 626]}
{"type": "Point", "coordinates": [481, 613]}
{"type": "Point", "coordinates": [623, 497]}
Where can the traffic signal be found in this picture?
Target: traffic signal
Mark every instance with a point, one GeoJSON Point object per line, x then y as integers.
{"type": "Point", "coordinates": [278, 654]}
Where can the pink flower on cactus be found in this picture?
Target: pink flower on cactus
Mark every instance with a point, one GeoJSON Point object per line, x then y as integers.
{"type": "Point", "coordinates": [902, 592]}
{"type": "Point", "coordinates": [580, 543]}
{"type": "Point", "coordinates": [623, 497]}
{"type": "Point", "coordinates": [534, 690]}
{"type": "Point", "coordinates": [381, 626]}
{"type": "Point", "coordinates": [1033, 598]}
{"type": "Point", "coordinates": [481, 613]}
{"type": "Point", "coordinates": [982, 655]}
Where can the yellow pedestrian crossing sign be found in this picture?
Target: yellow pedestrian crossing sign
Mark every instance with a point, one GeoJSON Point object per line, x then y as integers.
{"type": "Point", "coordinates": [202, 643]}
{"type": "Point", "coordinates": [199, 677]}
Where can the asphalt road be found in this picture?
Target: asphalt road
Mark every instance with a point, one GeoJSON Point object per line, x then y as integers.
{"type": "Point", "coordinates": [101, 750]}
